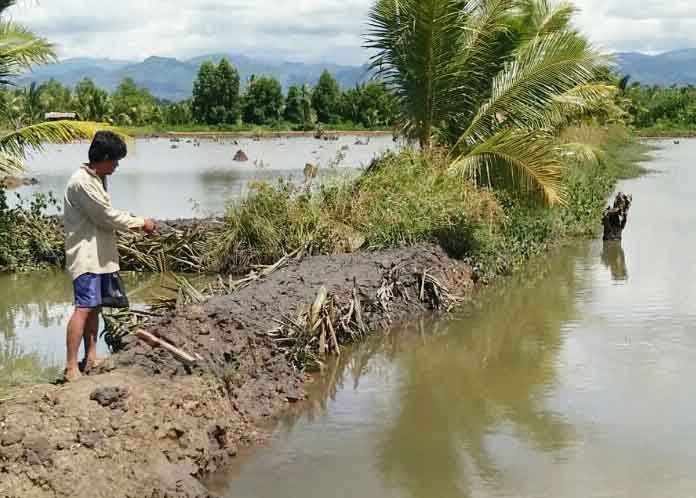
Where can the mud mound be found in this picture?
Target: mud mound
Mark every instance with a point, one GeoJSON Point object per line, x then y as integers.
{"type": "Point", "coordinates": [150, 426]}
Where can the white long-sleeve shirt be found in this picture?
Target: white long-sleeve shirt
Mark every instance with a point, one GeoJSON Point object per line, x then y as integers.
{"type": "Point", "coordinates": [91, 224]}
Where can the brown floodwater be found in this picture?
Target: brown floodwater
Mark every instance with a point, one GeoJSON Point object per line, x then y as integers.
{"type": "Point", "coordinates": [572, 379]}
{"type": "Point", "coordinates": [160, 179]}
{"type": "Point", "coordinates": [34, 313]}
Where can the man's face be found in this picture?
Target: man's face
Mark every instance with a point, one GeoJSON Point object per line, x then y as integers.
{"type": "Point", "coordinates": [110, 168]}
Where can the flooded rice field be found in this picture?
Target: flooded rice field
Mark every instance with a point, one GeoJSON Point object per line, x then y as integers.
{"type": "Point", "coordinates": [162, 182]}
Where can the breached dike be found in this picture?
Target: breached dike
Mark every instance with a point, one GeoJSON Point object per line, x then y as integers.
{"type": "Point", "coordinates": [149, 425]}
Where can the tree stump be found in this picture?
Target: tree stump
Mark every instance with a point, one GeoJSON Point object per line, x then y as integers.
{"type": "Point", "coordinates": [616, 217]}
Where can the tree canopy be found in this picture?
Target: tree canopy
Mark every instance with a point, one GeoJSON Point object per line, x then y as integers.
{"type": "Point", "coordinates": [263, 102]}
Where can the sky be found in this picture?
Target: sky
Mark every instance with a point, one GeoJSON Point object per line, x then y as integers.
{"type": "Point", "coordinates": [300, 30]}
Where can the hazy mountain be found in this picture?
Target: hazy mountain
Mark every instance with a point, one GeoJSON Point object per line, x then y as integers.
{"type": "Point", "coordinates": [172, 79]}
{"type": "Point", "coordinates": [671, 68]}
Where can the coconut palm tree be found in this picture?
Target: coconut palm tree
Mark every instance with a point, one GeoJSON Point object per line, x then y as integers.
{"type": "Point", "coordinates": [20, 49]}
{"type": "Point", "coordinates": [488, 78]}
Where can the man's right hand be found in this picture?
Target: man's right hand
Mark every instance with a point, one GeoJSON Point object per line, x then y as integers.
{"type": "Point", "coordinates": [149, 226]}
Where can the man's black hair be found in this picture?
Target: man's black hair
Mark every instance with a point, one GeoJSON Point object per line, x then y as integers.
{"type": "Point", "coordinates": [107, 146]}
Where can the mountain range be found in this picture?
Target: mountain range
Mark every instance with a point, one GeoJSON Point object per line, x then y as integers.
{"type": "Point", "coordinates": [670, 68]}
{"type": "Point", "coordinates": [172, 79]}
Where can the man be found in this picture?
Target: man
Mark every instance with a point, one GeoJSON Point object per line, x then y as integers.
{"type": "Point", "coordinates": [90, 244]}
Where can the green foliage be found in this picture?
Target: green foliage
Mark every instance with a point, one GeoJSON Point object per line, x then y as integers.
{"type": "Point", "coordinates": [91, 102]}
{"type": "Point", "coordinates": [263, 101]}
{"type": "Point", "coordinates": [662, 109]}
{"type": "Point", "coordinates": [179, 113]}
{"type": "Point", "coordinates": [401, 200]}
{"type": "Point", "coordinates": [370, 104]}
{"type": "Point", "coordinates": [20, 49]}
{"type": "Point", "coordinates": [133, 104]}
{"type": "Point", "coordinates": [55, 97]}
{"type": "Point", "coordinates": [529, 230]}
{"type": "Point", "coordinates": [486, 79]}
{"type": "Point", "coordinates": [326, 99]}
{"type": "Point", "coordinates": [216, 94]}
{"type": "Point", "coordinates": [28, 238]}
{"type": "Point", "coordinates": [298, 106]}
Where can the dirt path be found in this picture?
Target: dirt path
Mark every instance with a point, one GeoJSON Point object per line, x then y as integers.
{"type": "Point", "coordinates": [149, 426]}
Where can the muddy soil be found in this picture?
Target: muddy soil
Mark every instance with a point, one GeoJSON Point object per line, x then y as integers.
{"type": "Point", "coordinates": [147, 425]}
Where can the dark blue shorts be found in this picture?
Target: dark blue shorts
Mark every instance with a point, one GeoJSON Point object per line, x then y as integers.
{"type": "Point", "coordinates": [90, 289]}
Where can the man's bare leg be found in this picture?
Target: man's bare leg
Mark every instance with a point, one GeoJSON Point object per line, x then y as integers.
{"type": "Point", "coordinates": [77, 329]}
{"type": "Point", "coordinates": [91, 338]}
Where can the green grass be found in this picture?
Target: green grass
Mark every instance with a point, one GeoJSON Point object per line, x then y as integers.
{"type": "Point", "coordinates": [667, 131]}
{"type": "Point", "coordinates": [403, 200]}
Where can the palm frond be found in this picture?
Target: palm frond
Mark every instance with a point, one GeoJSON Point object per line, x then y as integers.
{"type": "Point", "coordinates": [525, 161]}
{"type": "Point", "coordinates": [542, 17]}
{"type": "Point", "coordinates": [20, 49]}
{"type": "Point", "coordinates": [584, 100]}
{"type": "Point", "coordinates": [18, 143]}
{"type": "Point", "coordinates": [415, 44]}
{"type": "Point", "coordinates": [545, 68]}
{"type": "Point", "coordinates": [478, 50]}
{"type": "Point", "coordinates": [10, 165]}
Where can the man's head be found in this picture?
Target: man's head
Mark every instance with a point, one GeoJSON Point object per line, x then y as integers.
{"type": "Point", "coordinates": [106, 151]}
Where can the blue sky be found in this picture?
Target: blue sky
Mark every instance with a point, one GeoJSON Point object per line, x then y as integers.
{"type": "Point", "coordinates": [301, 30]}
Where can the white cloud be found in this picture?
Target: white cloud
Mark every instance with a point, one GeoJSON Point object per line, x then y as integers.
{"type": "Point", "coordinates": [639, 25]}
{"type": "Point", "coordinates": [302, 30]}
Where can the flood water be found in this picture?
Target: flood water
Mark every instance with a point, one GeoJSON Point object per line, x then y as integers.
{"type": "Point", "coordinates": [572, 379]}
{"type": "Point", "coordinates": [161, 182]}
{"type": "Point", "coordinates": [34, 313]}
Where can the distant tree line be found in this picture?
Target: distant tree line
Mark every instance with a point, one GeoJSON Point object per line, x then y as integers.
{"type": "Point", "coordinates": [661, 107]}
{"type": "Point", "coordinates": [217, 100]}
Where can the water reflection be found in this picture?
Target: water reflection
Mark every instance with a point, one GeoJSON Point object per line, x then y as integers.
{"type": "Point", "coordinates": [483, 376]}
{"type": "Point", "coordinates": [34, 311]}
{"type": "Point", "coordinates": [445, 397]}
{"type": "Point", "coordinates": [614, 259]}
{"type": "Point", "coordinates": [35, 298]}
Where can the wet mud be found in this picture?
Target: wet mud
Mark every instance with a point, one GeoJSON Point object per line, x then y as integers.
{"type": "Point", "coordinates": [149, 425]}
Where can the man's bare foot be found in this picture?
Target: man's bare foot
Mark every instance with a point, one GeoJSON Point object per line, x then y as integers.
{"type": "Point", "coordinates": [89, 364]}
{"type": "Point", "coordinates": [71, 375]}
